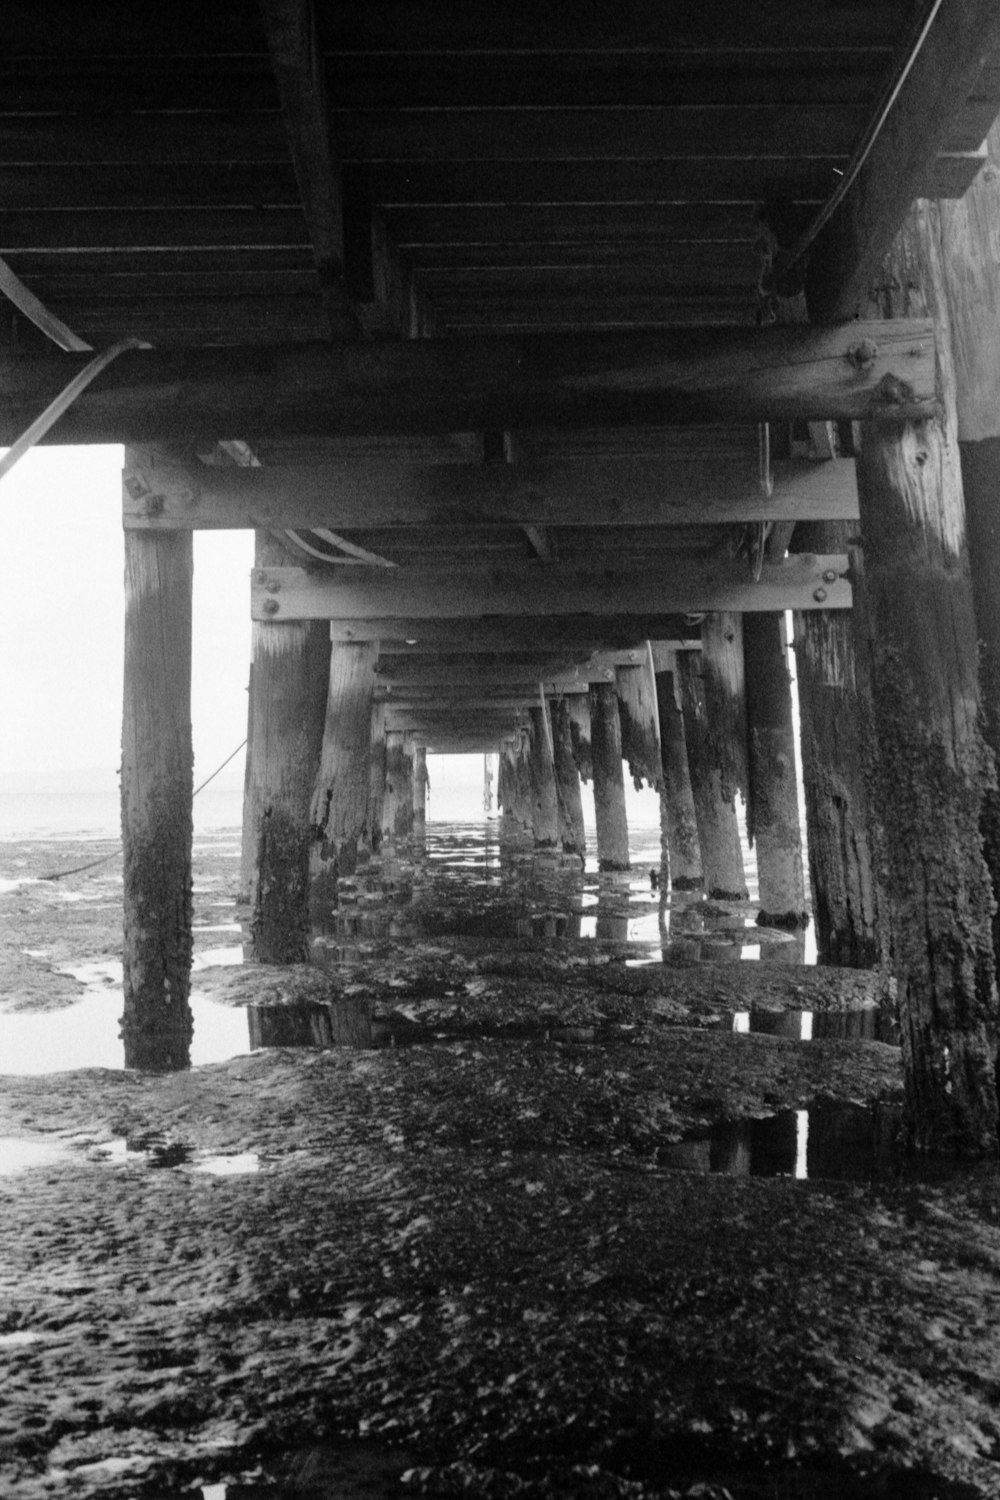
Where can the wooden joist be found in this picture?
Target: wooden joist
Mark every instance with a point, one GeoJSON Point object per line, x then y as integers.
{"type": "Point", "coordinates": [801, 582]}
{"type": "Point", "coordinates": [161, 494]}
{"type": "Point", "coordinates": [963, 40]}
{"type": "Point", "coordinates": [734, 374]}
{"type": "Point", "coordinates": [298, 66]}
{"type": "Point", "coordinates": [579, 633]}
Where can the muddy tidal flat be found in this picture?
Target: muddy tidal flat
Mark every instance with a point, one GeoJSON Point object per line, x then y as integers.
{"type": "Point", "coordinates": [611, 1202]}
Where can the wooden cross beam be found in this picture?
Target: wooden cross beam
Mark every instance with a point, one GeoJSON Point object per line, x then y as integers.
{"type": "Point", "coordinates": [580, 633]}
{"type": "Point", "coordinates": [298, 68]}
{"type": "Point", "coordinates": [674, 489]}
{"type": "Point", "coordinates": [686, 376]}
{"type": "Point", "coordinates": [802, 581]}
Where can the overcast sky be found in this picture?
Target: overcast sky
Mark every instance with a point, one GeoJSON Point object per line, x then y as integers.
{"type": "Point", "coordinates": [61, 657]}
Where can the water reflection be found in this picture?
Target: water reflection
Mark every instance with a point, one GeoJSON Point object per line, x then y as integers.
{"type": "Point", "coordinates": [460, 881]}
{"type": "Point", "coordinates": [843, 1142]}
{"type": "Point", "coordinates": [873, 1023]}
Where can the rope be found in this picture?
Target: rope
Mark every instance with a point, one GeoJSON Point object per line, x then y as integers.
{"type": "Point", "coordinates": [107, 858]}
{"type": "Point", "coordinates": [66, 397]}
{"type": "Point", "coordinates": [864, 148]}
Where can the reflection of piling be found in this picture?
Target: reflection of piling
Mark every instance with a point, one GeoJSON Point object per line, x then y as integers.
{"type": "Point", "coordinates": [310, 1023]}
{"type": "Point", "coordinates": [156, 795]}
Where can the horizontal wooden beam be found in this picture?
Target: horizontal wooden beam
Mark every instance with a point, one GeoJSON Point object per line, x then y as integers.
{"type": "Point", "coordinates": [498, 698]}
{"type": "Point", "coordinates": [734, 374]}
{"type": "Point", "coordinates": [403, 674]}
{"type": "Point", "coordinates": [582, 632]}
{"type": "Point", "coordinates": [802, 581]}
{"type": "Point", "coordinates": [364, 493]}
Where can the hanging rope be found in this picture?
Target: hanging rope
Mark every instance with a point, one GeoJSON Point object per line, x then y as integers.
{"type": "Point", "coordinates": [107, 858]}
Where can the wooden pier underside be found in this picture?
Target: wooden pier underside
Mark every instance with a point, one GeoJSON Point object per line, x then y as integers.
{"type": "Point", "coordinates": [517, 339]}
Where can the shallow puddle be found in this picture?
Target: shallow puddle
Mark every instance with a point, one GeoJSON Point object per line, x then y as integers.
{"type": "Point", "coordinates": [22, 1154]}
{"type": "Point", "coordinates": [841, 1142]}
{"type": "Point", "coordinates": [462, 882]}
{"type": "Point", "coordinates": [866, 1024]}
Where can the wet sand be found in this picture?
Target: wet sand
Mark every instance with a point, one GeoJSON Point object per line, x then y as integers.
{"type": "Point", "coordinates": [602, 1211]}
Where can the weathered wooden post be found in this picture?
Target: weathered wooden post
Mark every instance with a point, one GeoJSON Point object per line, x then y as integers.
{"type": "Point", "coordinates": [420, 784]}
{"type": "Point", "coordinates": [541, 764]}
{"type": "Point", "coordinates": [968, 230]}
{"type": "Point", "coordinates": [609, 779]}
{"type": "Point", "coordinates": [849, 906]}
{"type": "Point", "coordinates": [712, 705]}
{"type": "Point", "coordinates": [397, 808]}
{"type": "Point", "coordinates": [773, 802]}
{"type": "Point", "coordinates": [340, 810]}
{"type": "Point", "coordinates": [678, 822]}
{"type": "Point", "coordinates": [523, 812]}
{"type": "Point", "coordinates": [640, 725]}
{"type": "Point", "coordinates": [572, 835]}
{"type": "Point", "coordinates": [376, 775]}
{"type": "Point", "coordinates": [289, 685]}
{"type": "Point", "coordinates": [917, 643]}
{"type": "Point", "coordinates": [156, 792]}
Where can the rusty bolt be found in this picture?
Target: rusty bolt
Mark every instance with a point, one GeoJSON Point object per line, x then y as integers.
{"type": "Point", "coordinates": [863, 354]}
{"type": "Point", "coordinates": [261, 578]}
{"type": "Point", "coordinates": [829, 576]}
{"type": "Point", "coordinates": [270, 606]}
{"type": "Point", "coordinates": [819, 595]}
{"type": "Point", "coordinates": [273, 586]}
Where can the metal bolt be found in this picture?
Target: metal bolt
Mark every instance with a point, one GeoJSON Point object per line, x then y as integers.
{"type": "Point", "coordinates": [273, 586]}
{"type": "Point", "coordinates": [270, 606]}
{"type": "Point", "coordinates": [261, 578]}
{"type": "Point", "coordinates": [819, 595]}
{"type": "Point", "coordinates": [829, 576]}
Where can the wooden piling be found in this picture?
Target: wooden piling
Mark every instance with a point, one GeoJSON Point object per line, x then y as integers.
{"type": "Point", "coordinates": [917, 639]}
{"type": "Point", "coordinates": [711, 786]}
{"type": "Point", "coordinates": [678, 821]}
{"type": "Point", "coordinates": [572, 836]}
{"type": "Point", "coordinates": [376, 775]}
{"type": "Point", "coordinates": [773, 802]}
{"type": "Point", "coordinates": [420, 784]}
{"type": "Point", "coordinates": [968, 230]}
{"type": "Point", "coordinates": [340, 799]}
{"type": "Point", "coordinates": [156, 793]}
{"type": "Point", "coordinates": [640, 726]}
{"type": "Point", "coordinates": [289, 685]}
{"type": "Point", "coordinates": [541, 765]}
{"type": "Point", "coordinates": [849, 906]}
{"type": "Point", "coordinates": [609, 780]}
{"type": "Point", "coordinates": [397, 808]}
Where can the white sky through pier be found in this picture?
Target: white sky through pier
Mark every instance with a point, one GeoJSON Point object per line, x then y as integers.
{"type": "Point", "coordinates": [63, 616]}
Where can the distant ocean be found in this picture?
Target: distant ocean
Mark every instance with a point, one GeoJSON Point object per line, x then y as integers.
{"type": "Point", "coordinates": [95, 815]}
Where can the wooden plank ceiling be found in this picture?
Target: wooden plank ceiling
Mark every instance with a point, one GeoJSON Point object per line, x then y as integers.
{"type": "Point", "coordinates": [247, 174]}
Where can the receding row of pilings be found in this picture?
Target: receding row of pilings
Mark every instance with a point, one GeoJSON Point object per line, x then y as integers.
{"type": "Point", "coordinates": [900, 781]}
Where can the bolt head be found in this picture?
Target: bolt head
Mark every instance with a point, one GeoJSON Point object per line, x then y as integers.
{"type": "Point", "coordinates": [271, 606]}
{"type": "Point", "coordinates": [819, 595]}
